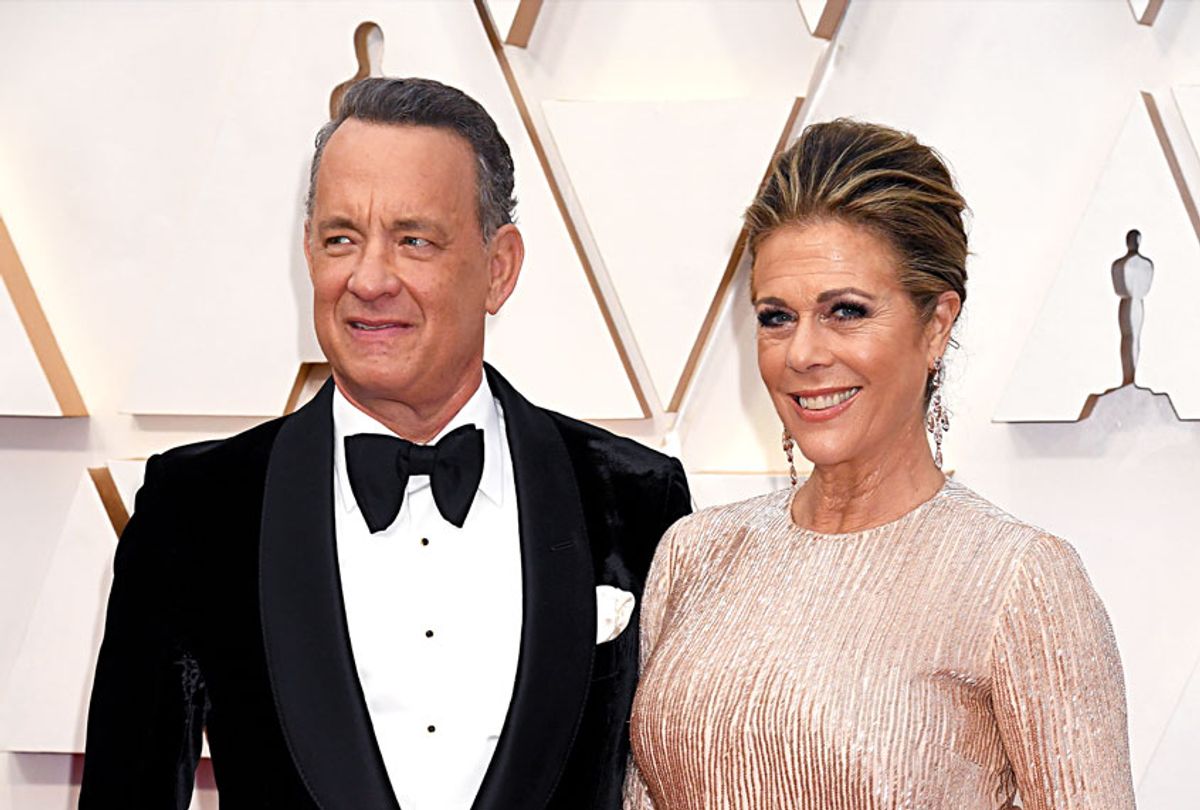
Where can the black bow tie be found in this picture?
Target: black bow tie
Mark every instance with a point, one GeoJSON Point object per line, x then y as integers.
{"type": "Point", "coordinates": [379, 467]}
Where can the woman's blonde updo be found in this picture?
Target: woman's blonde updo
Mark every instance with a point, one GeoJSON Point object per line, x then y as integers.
{"type": "Point", "coordinates": [882, 179]}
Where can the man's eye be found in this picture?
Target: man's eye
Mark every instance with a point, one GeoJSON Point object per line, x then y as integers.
{"type": "Point", "coordinates": [771, 318]}
{"type": "Point", "coordinates": [414, 241]}
{"type": "Point", "coordinates": [334, 241]}
{"type": "Point", "coordinates": [848, 311]}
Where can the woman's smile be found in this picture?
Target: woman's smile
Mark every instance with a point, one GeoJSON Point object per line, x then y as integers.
{"type": "Point", "coordinates": [825, 404]}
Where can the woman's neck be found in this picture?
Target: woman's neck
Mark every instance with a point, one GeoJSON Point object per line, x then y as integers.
{"type": "Point", "coordinates": [860, 494]}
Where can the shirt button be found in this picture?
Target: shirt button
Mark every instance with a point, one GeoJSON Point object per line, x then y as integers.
{"type": "Point", "coordinates": [431, 729]}
{"type": "Point", "coordinates": [424, 541]}
{"type": "Point", "coordinates": [428, 634]}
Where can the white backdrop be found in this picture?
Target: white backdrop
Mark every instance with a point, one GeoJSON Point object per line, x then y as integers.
{"type": "Point", "coordinates": [152, 160]}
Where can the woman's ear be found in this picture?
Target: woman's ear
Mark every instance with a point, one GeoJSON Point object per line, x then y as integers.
{"type": "Point", "coordinates": [941, 324]}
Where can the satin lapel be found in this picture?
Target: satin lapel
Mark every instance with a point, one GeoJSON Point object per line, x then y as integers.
{"type": "Point", "coordinates": [316, 688]}
{"type": "Point", "coordinates": [558, 632]}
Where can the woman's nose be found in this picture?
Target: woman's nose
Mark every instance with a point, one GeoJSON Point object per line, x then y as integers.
{"type": "Point", "coordinates": [809, 347]}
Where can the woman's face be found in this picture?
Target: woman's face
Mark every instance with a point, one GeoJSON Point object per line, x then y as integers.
{"type": "Point", "coordinates": [841, 347]}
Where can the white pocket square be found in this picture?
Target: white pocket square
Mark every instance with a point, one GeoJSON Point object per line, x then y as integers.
{"type": "Point", "coordinates": [614, 607]}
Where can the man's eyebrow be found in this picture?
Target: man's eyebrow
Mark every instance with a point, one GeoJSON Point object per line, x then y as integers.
{"type": "Point", "coordinates": [419, 226]}
{"type": "Point", "coordinates": [412, 224]}
{"type": "Point", "coordinates": [337, 224]}
{"type": "Point", "coordinates": [829, 295]}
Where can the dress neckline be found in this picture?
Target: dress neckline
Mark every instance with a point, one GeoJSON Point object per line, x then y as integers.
{"type": "Point", "coordinates": [796, 528]}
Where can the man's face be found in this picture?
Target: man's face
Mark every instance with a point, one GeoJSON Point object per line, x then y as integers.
{"type": "Point", "coordinates": [402, 279]}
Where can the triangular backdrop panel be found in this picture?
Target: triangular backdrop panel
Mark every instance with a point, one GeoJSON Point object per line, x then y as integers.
{"type": "Point", "coordinates": [1187, 99]}
{"type": "Point", "coordinates": [663, 185]}
{"type": "Point", "coordinates": [727, 423]}
{"type": "Point", "coordinates": [1073, 350]}
{"type": "Point", "coordinates": [1144, 11]}
{"type": "Point", "coordinates": [823, 16]}
{"type": "Point", "coordinates": [127, 474]}
{"type": "Point", "coordinates": [715, 489]}
{"type": "Point", "coordinates": [503, 13]}
{"type": "Point", "coordinates": [1172, 772]}
{"type": "Point", "coordinates": [45, 707]}
{"type": "Point", "coordinates": [1171, 336]}
{"type": "Point", "coordinates": [233, 324]}
{"type": "Point", "coordinates": [26, 388]}
{"type": "Point", "coordinates": [1142, 565]}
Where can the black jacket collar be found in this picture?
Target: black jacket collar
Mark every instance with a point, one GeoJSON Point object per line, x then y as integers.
{"type": "Point", "coordinates": [309, 657]}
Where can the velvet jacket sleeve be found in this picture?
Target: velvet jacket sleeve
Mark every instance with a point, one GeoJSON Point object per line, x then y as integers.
{"type": "Point", "coordinates": [146, 715]}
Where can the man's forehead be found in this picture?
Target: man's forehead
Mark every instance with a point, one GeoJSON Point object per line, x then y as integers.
{"type": "Point", "coordinates": [359, 141]}
{"type": "Point", "coordinates": [404, 169]}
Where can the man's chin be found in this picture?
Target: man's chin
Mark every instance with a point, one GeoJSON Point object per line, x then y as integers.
{"type": "Point", "coordinates": [361, 382]}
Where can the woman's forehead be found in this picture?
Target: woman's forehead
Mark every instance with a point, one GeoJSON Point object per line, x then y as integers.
{"type": "Point", "coordinates": [825, 255]}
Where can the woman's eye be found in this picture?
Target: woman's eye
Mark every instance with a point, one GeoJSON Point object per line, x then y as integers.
{"type": "Point", "coordinates": [848, 311]}
{"type": "Point", "coordinates": [770, 318]}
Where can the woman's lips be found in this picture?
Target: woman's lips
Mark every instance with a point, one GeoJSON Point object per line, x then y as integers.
{"type": "Point", "coordinates": [823, 405]}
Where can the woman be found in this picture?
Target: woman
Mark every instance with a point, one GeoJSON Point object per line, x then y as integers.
{"type": "Point", "coordinates": [879, 637]}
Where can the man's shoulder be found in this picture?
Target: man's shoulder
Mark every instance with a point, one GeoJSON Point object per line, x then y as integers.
{"type": "Point", "coordinates": [218, 460]}
{"type": "Point", "coordinates": [599, 447]}
{"type": "Point", "coordinates": [588, 445]}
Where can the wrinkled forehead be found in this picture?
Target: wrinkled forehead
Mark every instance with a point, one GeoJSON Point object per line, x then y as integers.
{"type": "Point", "coordinates": [805, 260]}
{"type": "Point", "coordinates": [367, 163]}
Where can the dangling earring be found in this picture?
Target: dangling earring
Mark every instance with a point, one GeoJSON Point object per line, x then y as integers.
{"type": "Point", "coordinates": [788, 443]}
{"type": "Point", "coordinates": [937, 421]}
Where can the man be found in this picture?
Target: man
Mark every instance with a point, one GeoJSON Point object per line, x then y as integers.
{"type": "Point", "coordinates": [364, 622]}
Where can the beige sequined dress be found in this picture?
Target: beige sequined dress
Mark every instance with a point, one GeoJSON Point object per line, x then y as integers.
{"type": "Point", "coordinates": [942, 661]}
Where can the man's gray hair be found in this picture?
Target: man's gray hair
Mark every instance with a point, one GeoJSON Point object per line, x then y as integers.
{"type": "Point", "coordinates": [424, 102]}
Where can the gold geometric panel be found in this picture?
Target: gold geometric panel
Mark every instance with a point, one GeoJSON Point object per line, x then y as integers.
{"type": "Point", "coordinates": [514, 19]}
{"type": "Point", "coordinates": [594, 410]}
{"type": "Point", "coordinates": [124, 478]}
{"type": "Point", "coordinates": [823, 16]}
{"type": "Point", "coordinates": [309, 380]}
{"type": "Point", "coordinates": [663, 186]}
{"type": "Point", "coordinates": [110, 495]}
{"type": "Point", "coordinates": [34, 378]}
{"type": "Point", "coordinates": [1145, 11]}
{"type": "Point", "coordinates": [1187, 102]}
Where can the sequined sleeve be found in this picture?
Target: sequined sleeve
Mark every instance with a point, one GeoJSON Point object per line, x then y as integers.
{"type": "Point", "coordinates": [654, 609]}
{"type": "Point", "coordinates": [1058, 693]}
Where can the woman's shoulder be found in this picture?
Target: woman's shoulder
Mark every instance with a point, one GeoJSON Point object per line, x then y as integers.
{"type": "Point", "coordinates": [985, 528]}
{"type": "Point", "coordinates": [728, 518]}
{"type": "Point", "coordinates": [699, 543]}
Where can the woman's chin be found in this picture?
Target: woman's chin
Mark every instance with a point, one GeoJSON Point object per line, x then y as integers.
{"type": "Point", "coordinates": [824, 453]}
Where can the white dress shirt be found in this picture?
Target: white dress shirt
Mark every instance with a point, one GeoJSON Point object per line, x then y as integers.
{"type": "Point", "coordinates": [434, 615]}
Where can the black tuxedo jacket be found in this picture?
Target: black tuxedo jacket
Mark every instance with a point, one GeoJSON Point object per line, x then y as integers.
{"type": "Point", "coordinates": [226, 614]}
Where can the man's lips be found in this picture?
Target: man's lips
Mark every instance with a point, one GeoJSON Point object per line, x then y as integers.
{"type": "Point", "coordinates": [368, 325]}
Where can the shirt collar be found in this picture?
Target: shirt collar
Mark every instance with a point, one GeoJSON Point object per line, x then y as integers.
{"type": "Point", "coordinates": [481, 410]}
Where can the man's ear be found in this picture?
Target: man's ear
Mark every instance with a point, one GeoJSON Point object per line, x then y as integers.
{"type": "Point", "coordinates": [506, 252]}
{"type": "Point", "coordinates": [307, 245]}
{"type": "Point", "coordinates": [940, 325]}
